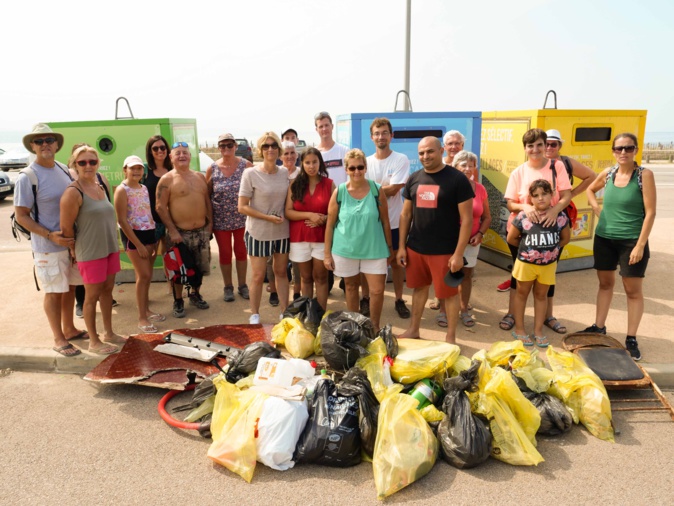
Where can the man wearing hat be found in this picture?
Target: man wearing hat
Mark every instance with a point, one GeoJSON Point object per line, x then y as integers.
{"type": "Point", "coordinates": [586, 175]}
{"type": "Point", "coordinates": [290, 134]}
{"type": "Point", "coordinates": [37, 209]}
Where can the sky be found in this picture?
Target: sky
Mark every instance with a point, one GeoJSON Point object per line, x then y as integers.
{"type": "Point", "coordinates": [250, 66]}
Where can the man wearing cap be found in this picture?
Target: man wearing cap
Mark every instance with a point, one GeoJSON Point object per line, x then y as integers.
{"type": "Point", "coordinates": [184, 206]}
{"type": "Point", "coordinates": [391, 170]}
{"type": "Point", "coordinates": [290, 134]}
{"type": "Point", "coordinates": [435, 227]}
{"type": "Point", "coordinates": [332, 153]}
{"type": "Point", "coordinates": [586, 175]}
{"type": "Point", "coordinates": [37, 209]}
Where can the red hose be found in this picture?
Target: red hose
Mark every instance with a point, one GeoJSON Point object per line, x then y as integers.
{"type": "Point", "coordinates": [161, 407]}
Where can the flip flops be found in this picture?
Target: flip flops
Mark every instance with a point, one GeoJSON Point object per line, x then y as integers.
{"type": "Point", "coordinates": [541, 341]}
{"type": "Point", "coordinates": [104, 350]}
{"type": "Point", "coordinates": [557, 327]}
{"type": "Point", "coordinates": [67, 350]}
{"type": "Point", "coordinates": [156, 317]}
{"type": "Point", "coordinates": [526, 340]}
{"type": "Point", "coordinates": [147, 329]}
{"type": "Point", "coordinates": [83, 334]}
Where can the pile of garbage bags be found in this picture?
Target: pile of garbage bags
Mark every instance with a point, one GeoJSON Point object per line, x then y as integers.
{"type": "Point", "coordinates": [397, 403]}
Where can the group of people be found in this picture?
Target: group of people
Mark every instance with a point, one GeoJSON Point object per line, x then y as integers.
{"type": "Point", "coordinates": [333, 212]}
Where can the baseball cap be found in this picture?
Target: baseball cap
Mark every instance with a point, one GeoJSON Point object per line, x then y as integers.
{"type": "Point", "coordinates": [286, 130]}
{"type": "Point", "coordinates": [226, 137]}
{"type": "Point", "coordinates": [132, 160]}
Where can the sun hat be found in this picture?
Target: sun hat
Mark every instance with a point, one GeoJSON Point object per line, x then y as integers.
{"type": "Point", "coordinates": [132, 160]}
{"type": "Point", "coordinates": [554, 135]}
{"type": "Point", "coordinates": [38, 130]}
{"type": "Point", "coordinates": [226, 137]}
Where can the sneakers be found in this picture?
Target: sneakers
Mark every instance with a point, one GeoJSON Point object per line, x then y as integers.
{"type": "Point", "coordinates": [273, 299]}
{"type": "Point", "coordinates": [503, 287]}
{"type": "Point", "coordinates": [229, 294]}
{"type": "Point", "coordinates": [401, 308]}
{"type": "Point", "coordinates": [365, 306]}
{"type": "Point", "coordinates": [198, 301]}
{"type": "Point", "coordinates": [633, 348]}
{"type": "Point", "coordinates": [78, 311]}
{"type": "Point", "coordinates": [254, 319]}
{"type": "Point", "coordinates": [179, 308]}
{"type": "Point", "coordinates": [243, 291]}
{"type": "Point", "coordinates": [597, 330]}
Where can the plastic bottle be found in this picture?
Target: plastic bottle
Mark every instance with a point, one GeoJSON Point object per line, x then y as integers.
{"type": "Point", "coordinates": [324, 374]}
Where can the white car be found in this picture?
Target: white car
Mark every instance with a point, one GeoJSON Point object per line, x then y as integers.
{"type": "Point", "coordinates": [15, 158]}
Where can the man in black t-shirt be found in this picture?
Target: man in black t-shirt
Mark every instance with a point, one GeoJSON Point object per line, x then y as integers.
{"type": "Point", "coordinates": [434, 230]}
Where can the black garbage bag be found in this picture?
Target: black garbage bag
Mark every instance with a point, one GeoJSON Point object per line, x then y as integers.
{"type": "Point", "coordinates": [243, 362]}
{"type": "Point", "coordinates": [344, 337]}
{"type": "Point", "coordinates": [306, 310]}
{"type": "Point", "coordinates": [355, 384]}
{"type": "Point", "coordinates": [465, 439]}
{"type": "Point", "coordinates": [331, 436]}
{"type": "Point", "coordinates": [555, 417]}
{"type": "Point", "coordinates": [390, 340]}
{"type": "Point", "coordinates": [202, 391]}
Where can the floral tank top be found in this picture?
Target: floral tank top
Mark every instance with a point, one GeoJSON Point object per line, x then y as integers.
{"type": "Point", "coordinates": [225, 198]}
{"type": "Point", "coordinates": [138, 210]}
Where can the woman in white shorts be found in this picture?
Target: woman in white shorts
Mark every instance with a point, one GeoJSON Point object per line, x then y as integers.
{"type": "Point", "coordinates": [307, 210]}
{"type": "Point", "coordinates": [358, 235]}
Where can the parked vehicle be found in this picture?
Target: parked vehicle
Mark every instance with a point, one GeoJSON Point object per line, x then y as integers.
{"type": "Point", "coordinates": [16, 158]}
{"type": "Point", "coordinates": [244, 150]}
{"type": "Point", "coordinates": [6, 186]}
{"type": "Point", "coordinates": [301, 147]}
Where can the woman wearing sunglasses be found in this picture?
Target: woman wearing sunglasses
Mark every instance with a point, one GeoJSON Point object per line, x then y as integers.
{"type": "Point", "coordinates": [158, 164]}
{"type": "Point", "coordinates": [262, 199]}
{"type": "Point", "coordinates": [358, 235]}
{"type": "Point", "coordinates": [621, 238]}
{"type": "Point", "coordinates": [85, 206]}
{"type": "Point", "coordinates": [224, 181]}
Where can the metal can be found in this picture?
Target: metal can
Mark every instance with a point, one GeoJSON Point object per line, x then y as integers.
{"type": "Point", "coordinates": [426, 392]}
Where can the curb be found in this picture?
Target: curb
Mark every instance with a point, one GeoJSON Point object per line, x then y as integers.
{"type": "Point", "coordinates": [44, 360]}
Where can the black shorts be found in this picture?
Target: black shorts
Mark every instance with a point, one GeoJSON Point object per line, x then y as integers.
{"type": "Point", "coordinates": [609, 253]}
{"type": "Point", "coordinates": [146, 237]}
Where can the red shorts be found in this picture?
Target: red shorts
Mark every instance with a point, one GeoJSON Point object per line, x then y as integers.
{"type": "Point", "coordinates": [424, 270]}
{"type": "Point", "coordinates": [97, 271]}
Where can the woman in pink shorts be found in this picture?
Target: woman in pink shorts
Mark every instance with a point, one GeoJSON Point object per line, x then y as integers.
{"type": "Point", "coordinates": [85, 207]}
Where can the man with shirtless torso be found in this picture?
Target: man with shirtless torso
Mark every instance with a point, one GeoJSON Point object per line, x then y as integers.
{"type": "Point", "coordinates": [184, 206]}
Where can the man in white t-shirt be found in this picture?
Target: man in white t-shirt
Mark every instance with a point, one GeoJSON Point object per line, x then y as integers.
{"type": "Point", "coordinates": [391, 170]}
{"type": "Point", "coordinates": [333, 153]}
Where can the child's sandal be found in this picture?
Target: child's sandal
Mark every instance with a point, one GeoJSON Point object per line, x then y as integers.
{"type": "Point", "coordinates": [526, 340]}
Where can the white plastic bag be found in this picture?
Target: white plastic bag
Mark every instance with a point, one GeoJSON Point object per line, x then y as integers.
{"type": "Point", "coordinates": [280, 425]}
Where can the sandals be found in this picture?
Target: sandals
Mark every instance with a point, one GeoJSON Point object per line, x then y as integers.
{"type": "Point", "coordinates": [67, 350]}
{"type": "Point", "coordinates": [557, 327]}
{"type": "Point", "coordinates": [441, 320]}
{"type": "Point", "coordinates": [526, 340]}
{"type": "Point", "coordinates": [435, 305]}
{"type": "Point", "coordinates": [467, 319]}
{"type": "Point", "coordinates": [156, 317]}
{"type": "Point", "coordinates": [541, 341]}
{"type": "Point", "coordinates": [147, 329]}
{"type": "Point", "coordinates": [507, 322]}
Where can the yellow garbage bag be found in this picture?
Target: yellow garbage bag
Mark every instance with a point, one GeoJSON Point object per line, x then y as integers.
{"type": "Point", "coordinates": [432, 414]}
{"type": "Point", "coordinates": [235, 417]}
{"type": "Point", "coordinates": [300, 342]}
{"type": "Point", "coordinates": [583, 393]}
{"type": "Point", "coordinates": [462, 363]}
{"type": "Point", "coordinates": [418, 359]}
{"type": "Point", "coordinates": [281, 329]}
{"type": "Point", "coordinates": [532, 371]}
{"type": "Point", "coordinates": [405, 449]}
{"type": "Point", "coordinates": [504, 352]}
{"type": "Point", "coordinates": [513, 420]}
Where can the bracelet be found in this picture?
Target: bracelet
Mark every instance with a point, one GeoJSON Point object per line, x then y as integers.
{"type": "Point", "coordinates": [480, 232]}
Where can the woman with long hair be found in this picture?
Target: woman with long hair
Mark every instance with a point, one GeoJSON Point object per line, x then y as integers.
{"type": "Point", "coordinates": [307, 209]}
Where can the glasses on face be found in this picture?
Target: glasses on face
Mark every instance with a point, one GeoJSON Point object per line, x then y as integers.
{"type": "Point", "coordinates": [265, 147]}
{"type": "Point", "coordinates": [354, 168]}
{"type": "Point", "coordinates": [157, 149]}
{"type": "Point", "coordinates": [227, 145]}
{"type": "Point", "coordinates": [47, 140]}
{"type": "Point", "coordinates": [551, 144]}
{"type": "Point", "coordinates": [180, 145]}
{"type": "Point", "coordinates": [385, 133]}
{"type": "Point", "coordinates": [626, 149]}
{"type": "Point", "coordinates": [84, 163]}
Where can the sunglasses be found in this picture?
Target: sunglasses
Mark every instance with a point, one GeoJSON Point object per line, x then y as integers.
{"type": "Point", "coordinates": [265, 147]}
{"type": "Point", "coordinates": [227, 145]}
{"type": "Point", "coordinates": [354, 168]}
{"type": "Point", "coordinates": [180, 145]}
{"type": "Point", "coordinates": [626, 149]}
{"type": "Point", "coordinates": [84, 163]}
{"type": "Point", "coordinates": [157, 149]}
{"type": "Point", "coordinates": [48, 140]}
{"type": "Point", "coordinates": [551, 144]}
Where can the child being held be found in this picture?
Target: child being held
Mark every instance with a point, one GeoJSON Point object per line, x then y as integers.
{"type": "Point", "coordinates": [536, 262]}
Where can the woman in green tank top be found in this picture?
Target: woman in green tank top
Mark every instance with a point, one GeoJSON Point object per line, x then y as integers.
{"type": "Point", "coordinates": [621, 238]}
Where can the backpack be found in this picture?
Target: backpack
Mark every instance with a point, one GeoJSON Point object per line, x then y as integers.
{"type": "Point", "coordinates": [181, 267]}
{"type": "Point", "coordinates": [17, 229]}
{"type": "Point", "coordinates": [569, 169]}
{"type": "Point", "coordinates": [570, 210]}
{"type": "Point", "coordinates": [610, 175]}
